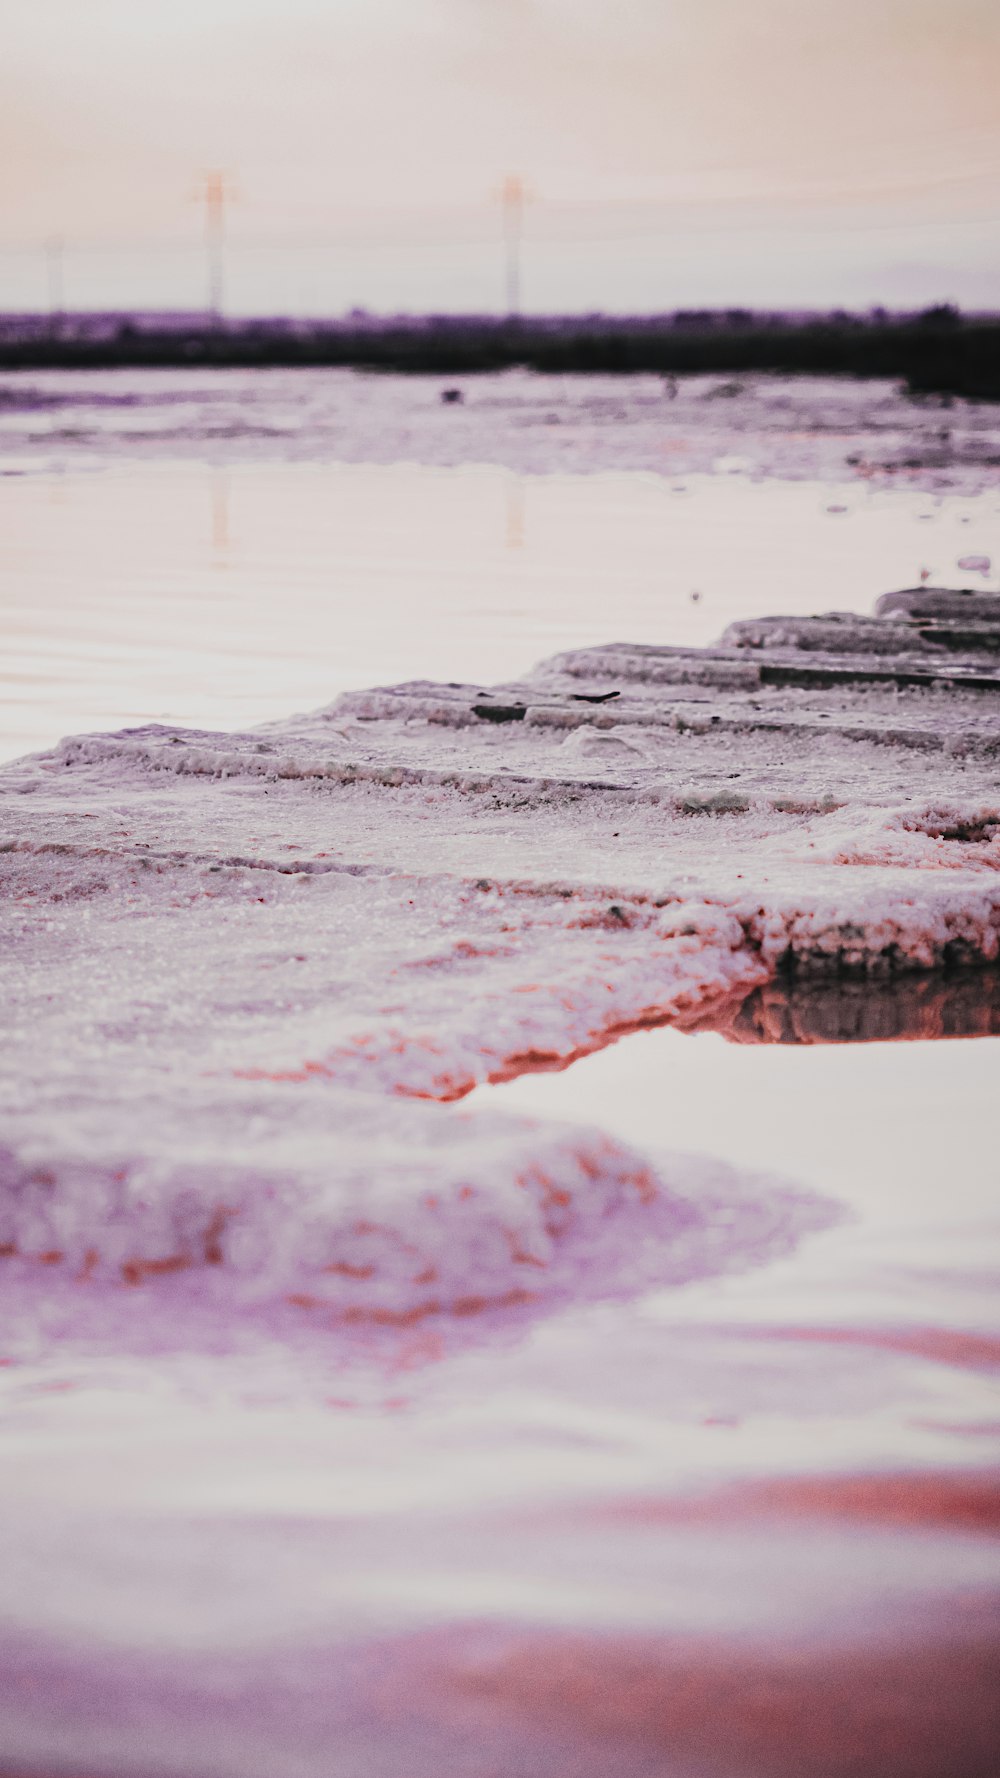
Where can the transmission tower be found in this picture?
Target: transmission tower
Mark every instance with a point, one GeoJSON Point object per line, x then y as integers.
{"type": "Point", "coordinates": [54, 251]}
{"type": "Point", "coordinates": [215, 193]}
{"type": "Point", "coordinates": [512, 197]}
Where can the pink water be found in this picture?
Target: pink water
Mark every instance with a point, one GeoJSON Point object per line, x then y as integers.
{"type": "Point", "coordinates": [743, 1527]}
{"type": "Point", "coordinates": [497, 1546]}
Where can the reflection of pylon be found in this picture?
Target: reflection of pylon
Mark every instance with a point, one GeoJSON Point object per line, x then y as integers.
{"type": "Point", "coordinates": [220, 516]}
{"type": "Point", "coordinates": [515, 512]}
{"type": "Point", "coordinates": [512, 196]}
{"type": "Point", "coordinates": [216, 191]}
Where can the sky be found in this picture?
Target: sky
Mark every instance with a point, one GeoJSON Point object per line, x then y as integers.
{"type": "Point", "coordinates": [676, 152]}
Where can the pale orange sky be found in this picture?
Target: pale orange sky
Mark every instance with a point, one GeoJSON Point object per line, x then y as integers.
{"type": "Point", "coordinates": [678, 150]}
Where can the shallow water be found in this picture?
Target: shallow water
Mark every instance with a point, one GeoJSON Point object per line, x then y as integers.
{"type": "Point", "coordinates": [277, 1544]}
{"type": "Point", "coordinates": [742, 1526]}
{"type": "Point", "coordinates": [895, 1131]}
{"type": "Point", "coordinates": [200, 554]}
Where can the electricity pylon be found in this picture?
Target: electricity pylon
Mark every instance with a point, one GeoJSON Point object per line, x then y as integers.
{"type": "Point", "coordinates": [513, 195]}
{"type": "Point", "coordinates": [215, 192]}
{"type": "Point", "coordinates": [54, 248]}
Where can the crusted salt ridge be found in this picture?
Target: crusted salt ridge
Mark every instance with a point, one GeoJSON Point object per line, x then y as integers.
{"type": "Point", "coordinates": [425, 887]}
{"type": "Point", "coordinates": [377, 1211]}
{"type": "Point", "coordinates": [421, 986]}
{"type": "Point", "coordinates": [940, 603]}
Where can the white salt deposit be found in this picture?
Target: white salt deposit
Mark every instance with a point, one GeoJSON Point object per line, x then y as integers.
{"type": "Point", "coordinates": [230, 958]}
{"type": "Point", "coordinates": [798, 428]}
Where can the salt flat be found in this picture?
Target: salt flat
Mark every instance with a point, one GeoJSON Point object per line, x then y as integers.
{"type": "Point", "coordinates": [219, 947]}
{"type": "Point", "coordinates": [364, 1393]}
{"type": "Point", "coordinates": [763, 424]}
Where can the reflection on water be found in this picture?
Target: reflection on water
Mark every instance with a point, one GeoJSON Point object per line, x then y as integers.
{"type": "Point", "coordinates": [962, 1003]}
{"type": "Point", "coordinates": [604, 1535]}
{"type": "Point", "coordinates": [515, 512]}
{"type": "Point", "coordinates": [224, 594]}
{"type": "Point", "coordinates": [898, 1131]}
{"type": "Point", "coordinates": [220, 516]}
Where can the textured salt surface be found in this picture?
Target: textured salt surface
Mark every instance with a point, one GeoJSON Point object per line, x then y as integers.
{"type": "Point", "coordinates": [234, 961]}
{"type": "Point", "coordinates": [793, 427]}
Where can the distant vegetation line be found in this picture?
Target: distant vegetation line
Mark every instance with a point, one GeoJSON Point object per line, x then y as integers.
{"type": "Point", "coordinates": [938, 351]}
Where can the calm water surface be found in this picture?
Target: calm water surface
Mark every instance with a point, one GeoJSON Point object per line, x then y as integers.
{"type": "Point", "coordinates": [222, 596]}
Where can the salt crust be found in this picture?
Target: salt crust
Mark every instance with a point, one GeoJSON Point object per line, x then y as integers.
{"type": "Point", "coordinates": [239, 967]}
{"type": "Point", "coordinates": [797, 428]}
